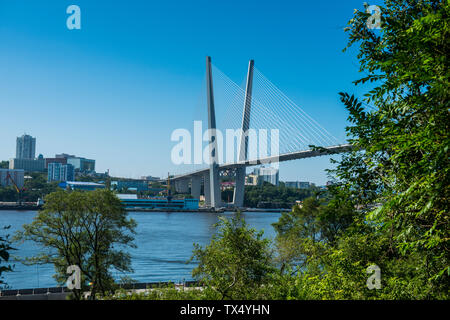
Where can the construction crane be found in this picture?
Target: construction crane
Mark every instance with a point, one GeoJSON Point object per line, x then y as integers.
{"type": "Point", "coordinates": [8, 176]}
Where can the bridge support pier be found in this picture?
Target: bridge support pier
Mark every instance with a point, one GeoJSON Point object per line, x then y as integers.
{"type": "Point", "coordinates": [238, 196]}
{"type": "Point", "coordinates": [182, 186]}
{"type": "Point", "coordinates": [207, 189]}
{"type": "Point", "coordinates": [196, 186]}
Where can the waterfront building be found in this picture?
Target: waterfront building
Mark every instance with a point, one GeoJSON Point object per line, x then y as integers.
{"type": "Point", "coordinates": [16, 174]}
{"type": "Point", "coordinates": [131, 201]}
{"type": "Point", "coordinates": [25, 147]}
{"type": "Point", "coordinates": [267, 174]}
{"type": "Point", "coordinates": [138, 185]}
{"type": "Point", "coordinates": [79, 185]}
{"type": "Point", "coordinates": [60, 172]}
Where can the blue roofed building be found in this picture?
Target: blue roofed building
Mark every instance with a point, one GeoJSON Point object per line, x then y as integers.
{"type": "Point", "coordinates": [131, 201]}
{"type": "Point", "coordinates": [80, 185]}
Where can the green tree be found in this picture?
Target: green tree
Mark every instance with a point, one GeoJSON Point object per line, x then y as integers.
{"type": "Point", "coordinates": [394, 184]}
{"type": "Point", "coordinates": [37, 187]}
{"type": "Point", "coordinates": [402, 146]}
{"type": "Point", "coordinates": [238, 261]}
{"type": "Point", "coordinates": [303, 232]}
{"type": "Point", "coordinates": [270, 196]}
{"type": "Point", "coordinates": [391, 196]}
{"type": "Point", "coordinates": [87, 229]}
{"type": "Point", "coordinates": [5, 249]}
{"type": "Point", "coordinates": [4, 164]}
{"type": "Point", "coordinates": [8, 194]}
{"type": "Point", "coordinates": [297, 233]}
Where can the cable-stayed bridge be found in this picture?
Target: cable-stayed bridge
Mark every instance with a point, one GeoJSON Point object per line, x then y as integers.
{"type": "Point", "coordinates": [267, 119]}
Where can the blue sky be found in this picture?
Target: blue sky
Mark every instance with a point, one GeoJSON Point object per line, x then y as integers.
{"type": "Point", "coordinates": [116, 89]}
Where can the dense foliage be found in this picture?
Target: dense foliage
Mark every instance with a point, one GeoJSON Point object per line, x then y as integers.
{"type": "Point", "coordinates": [236, 263]}
{"type": "Point", "coordinates": [86, 229]}
{"type": "Point", "coordinates": [269, 196]}
{"type": "Point", "coordinates": [5, 250]}
{"type": "Point", "coordinates": [396, 178]}
{"type": "Point", "coordinates": [389, 204]}
{"type": "Point", "coordinates": [387, 208]}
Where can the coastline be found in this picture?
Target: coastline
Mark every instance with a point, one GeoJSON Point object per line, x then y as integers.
{"type": "Point", "coordinates": [28, 207]}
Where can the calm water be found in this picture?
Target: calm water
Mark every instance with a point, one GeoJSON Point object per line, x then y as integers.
{"type": "Point", "coordinates": [164, 244]}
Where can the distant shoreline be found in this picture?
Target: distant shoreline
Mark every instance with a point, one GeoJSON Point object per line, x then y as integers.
{"type": "Point", "coordinates": [21, 207]}
{"type": "Point", "coordinates": [28, 207]}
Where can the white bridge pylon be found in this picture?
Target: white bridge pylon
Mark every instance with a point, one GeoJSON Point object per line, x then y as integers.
{"type": "Point", "coordinates": [210, 176]}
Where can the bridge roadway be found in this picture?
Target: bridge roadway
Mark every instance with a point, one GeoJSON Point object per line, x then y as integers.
{"type": "Point", "coordinates": [195, 178]}
{"type": "Point", "coordinates": [272, 159]}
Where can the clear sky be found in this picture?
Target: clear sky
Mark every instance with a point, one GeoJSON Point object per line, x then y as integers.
{"type": "Point", "coordinates": [116, 89]}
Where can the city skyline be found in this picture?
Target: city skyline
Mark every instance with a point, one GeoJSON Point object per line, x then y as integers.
{"type": "Point", "coordinates": [115, 84]}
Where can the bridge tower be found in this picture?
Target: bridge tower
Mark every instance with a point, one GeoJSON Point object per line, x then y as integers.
{"type": "Point", "coordinates": [213, 179]}
{"type": "Point", "coordinates": [238, 196]}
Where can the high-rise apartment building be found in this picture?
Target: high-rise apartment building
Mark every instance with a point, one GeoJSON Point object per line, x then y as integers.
{"type": "Point", "coordinates": [25, 147]}
{"type": "Point", "coordinates": [60, 172]}
{"type": "Point", "coordinates": [268, 174]}
{"type": "Point", "coordinates": [67, 172]}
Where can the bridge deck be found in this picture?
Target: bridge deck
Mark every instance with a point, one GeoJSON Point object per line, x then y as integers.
{"type": "Point", "coordinates": [273, 159]}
